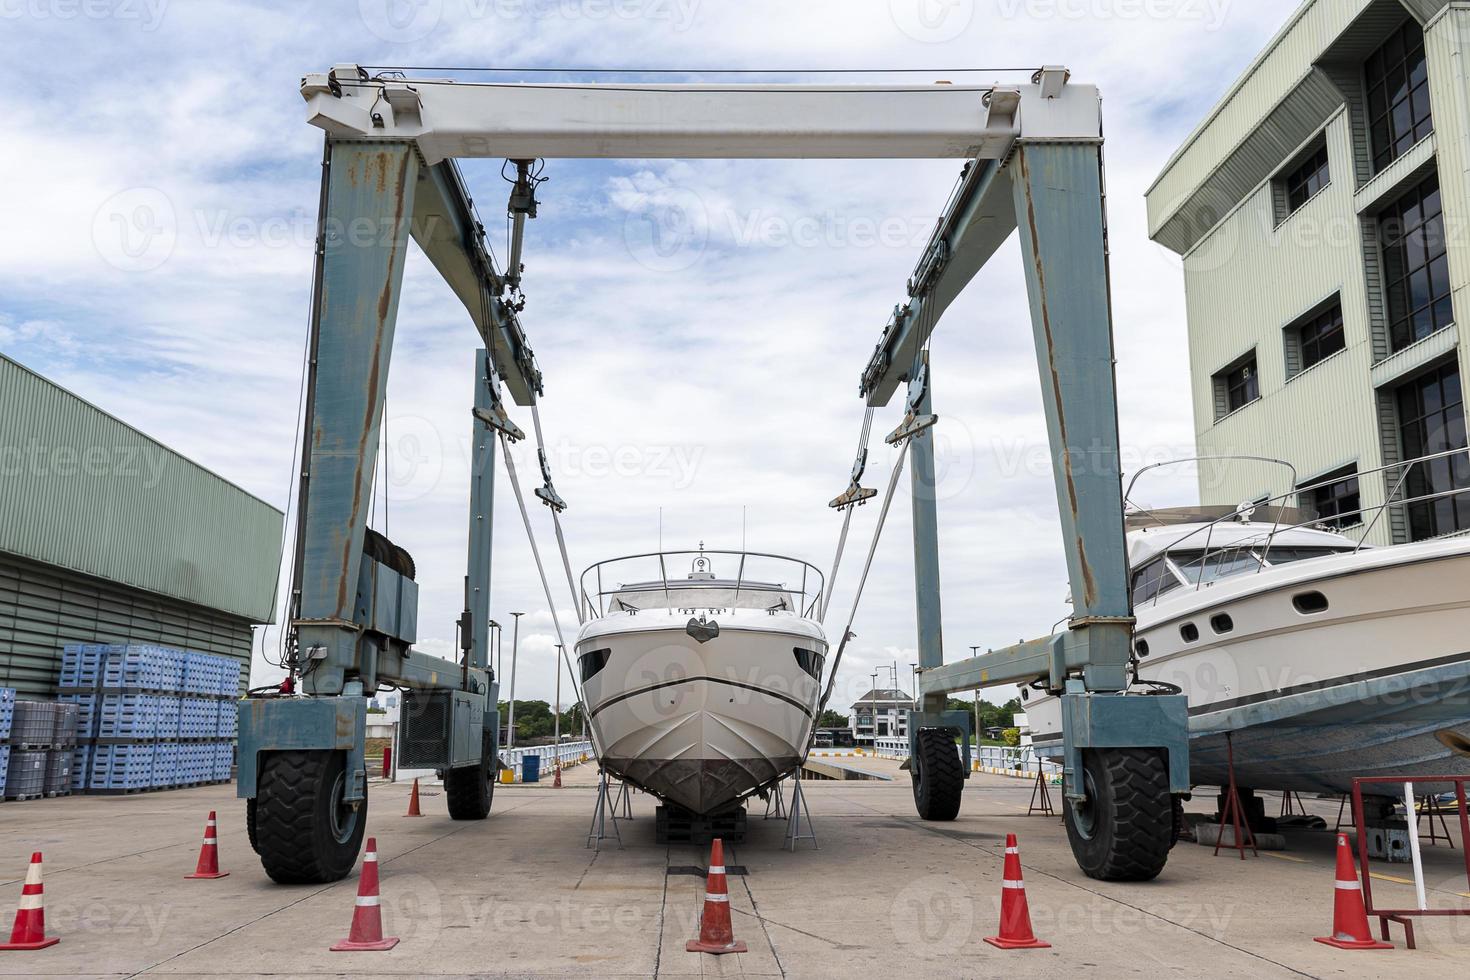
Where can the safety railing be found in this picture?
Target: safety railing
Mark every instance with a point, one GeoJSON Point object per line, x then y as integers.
{"type": "Point", "coordinates": [891, 747]}
{"type": "Point", "coordinates": [1008, 758]}
{"type": "Point", "coordinates": [658, 580]}
{"type": "Point", "coordinates": [1410, 797]}
{"type": "Point", "coordinates": [1015, 758]}
{"type": "Point", "coordinates": [1400, 481]}
{"type": "Point", "coordinates": [569, 754]}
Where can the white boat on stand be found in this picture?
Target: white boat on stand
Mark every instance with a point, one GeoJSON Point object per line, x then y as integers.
{"type": "Point", "coordinates": [1322, 658]}
{"type": "Point", "coordinates": [702, 687]}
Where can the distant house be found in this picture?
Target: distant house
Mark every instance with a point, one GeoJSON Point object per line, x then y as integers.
{"type": "Point", "coordinates": [888, 708]}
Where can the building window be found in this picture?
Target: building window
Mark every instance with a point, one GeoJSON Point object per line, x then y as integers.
{"type": "Point", "coordinates": [1397, 82]}
{"type": "Point", "coordinates": [1334, 497]}
{"type": "Point", "coordinates": [1236, 386]}
{"type": "Point", "coordinates": [1416, 271]}
{"type": "Point", "coordinates": [1310, 176]}
{"type": "Point", "coordinates": [1432, 420]}
{"type": "Point", "coordinates": [1319, 336]}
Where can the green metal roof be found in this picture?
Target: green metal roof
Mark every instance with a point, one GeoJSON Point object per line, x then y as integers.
{"type": "Point", "coordinates": [83, 490]}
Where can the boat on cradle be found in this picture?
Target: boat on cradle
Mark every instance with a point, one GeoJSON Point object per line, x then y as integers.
{"type": "Point", "coordinates": [702, 686]}
{"type": "Point", "coordinates": [1322, 657]}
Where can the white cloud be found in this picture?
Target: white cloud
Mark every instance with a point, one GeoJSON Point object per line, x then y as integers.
{"type": "Point", "coordinates": [723, 380]}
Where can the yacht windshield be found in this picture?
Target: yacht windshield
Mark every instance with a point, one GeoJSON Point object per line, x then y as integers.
{"type": "Point", "coordinates": [714, 595]}
{"type": "Point", "coordinates": [1201, 568]}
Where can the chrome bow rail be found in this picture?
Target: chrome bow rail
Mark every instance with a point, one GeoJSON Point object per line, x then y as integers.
{"type": "Point", "coordinates": [663, 572]}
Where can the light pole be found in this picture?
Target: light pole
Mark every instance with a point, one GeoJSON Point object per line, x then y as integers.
{"type": "Point", "coordinates": [874, 696]}
{"type": "Point", "coordinates": [556, 728]}
{"type": "Point", "coordinates": [515, 645]}
{"type": "Point", "coordinates": [977, 708]}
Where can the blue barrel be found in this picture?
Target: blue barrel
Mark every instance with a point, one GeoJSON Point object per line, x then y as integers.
{"type": "Point", "coordinates": [530, 768]}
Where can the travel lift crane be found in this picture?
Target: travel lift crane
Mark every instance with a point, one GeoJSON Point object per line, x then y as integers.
{"type": "Point", "coordinates": [1035, 163]}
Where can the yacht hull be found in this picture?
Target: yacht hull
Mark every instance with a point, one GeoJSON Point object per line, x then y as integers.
{"type": "Point", "coordinates": [700, 724]}
{"type": "Point", "coordinates": [1313, 699]}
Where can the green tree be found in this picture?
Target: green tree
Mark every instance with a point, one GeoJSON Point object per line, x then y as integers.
{"type": "Point", "coordinates": [832, 719]}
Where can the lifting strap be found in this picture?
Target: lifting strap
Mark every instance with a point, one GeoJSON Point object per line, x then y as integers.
{"type": "Point", "coordinates": [854, 496]}
{"type": "Point", "coordinates": [862, 580]}
{"type": "Point", "coordinates": [549, 497]}
{"type": "Point", "coordinates": [515, 485]}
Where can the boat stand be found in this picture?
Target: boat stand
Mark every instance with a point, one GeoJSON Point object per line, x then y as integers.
{"type": "Point", "coordinates": [1232, 813]}
{"type": "Point", "coordinates": [1291, 804]}
{"type": "Point", "coordinates": [1429, 807]}
{"type": "Point", "coordinates": [597, 833]}
{"type": "Point", "coordinates": [793, 821]}
{"type": "Point", "coordinates": [1341, 808]}
{"type": "Point", "coordinates": [776, 802]}
{"type": "Point", "coordinates": [1040, 796]}
{"type": "Point", "coordinates": [623, 806]}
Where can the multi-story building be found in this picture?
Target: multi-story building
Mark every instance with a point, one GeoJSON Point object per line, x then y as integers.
{"type": "Point", "coordinates": [1322, 210]}
{"type": "Point", "coordinates": [885, 709]}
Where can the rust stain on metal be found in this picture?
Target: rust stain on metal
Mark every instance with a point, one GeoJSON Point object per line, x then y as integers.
{"type": "Point", "coordinates": [1089, 584]}
{"type": "Point", "coordinates": [384, 308]}
{"type": "Point", "coordinates": [345, 730]}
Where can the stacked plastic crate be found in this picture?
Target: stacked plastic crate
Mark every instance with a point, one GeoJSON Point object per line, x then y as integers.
{"type": "Point", "coordinates": [150, 716]}
{"type": "Point", "coordinates": [7, 716]}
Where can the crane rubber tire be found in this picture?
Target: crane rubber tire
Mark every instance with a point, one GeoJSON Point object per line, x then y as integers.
{"type": "Point", "coordinates": [250, 824]}
{"type": "Point", "coordinates": [938, 775]}
{"type": "Point", "coordinates": [1123, 831]}
{"type": "Point", "coordinates": [305, 833]}
{"type": "Point", "coordinates": [471, 789]}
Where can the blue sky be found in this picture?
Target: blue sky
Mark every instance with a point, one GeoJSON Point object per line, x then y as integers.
{"type": "Point", "coordinates": [161, 187]}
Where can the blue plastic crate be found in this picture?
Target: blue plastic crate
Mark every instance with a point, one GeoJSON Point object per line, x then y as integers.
{"type": "Point", "coordinates": [81, 767]}
{"type": "Point", "coordinates": [165, 770]}
{"type": "Point", "coordinates": [7, 711]}
{"type": "Point", "coordinates": [134, 665]}
{"type": "Point", "coordinates": [169, 707]}
{"type": "Point", "coordinates": [229, 720]}
{"type": "Point", "coordinates": [4, 767]}
{"type": "Point", "coordinates": [196, 669]}
{"type": "Point", "coordinates": [116, 767]}
{"type": "Point", "coordinates": [81, 664]}
{"type": "Point", "coordinates": [128, 716]}
{"type": "Point", "coordinates": [86, 712]}
{"type": "Point", "coordinates": [224, 760]}
{"type": "Point", "coordinates": [229, 685]}
{"type": "Point", "coordinates": [171, 667]}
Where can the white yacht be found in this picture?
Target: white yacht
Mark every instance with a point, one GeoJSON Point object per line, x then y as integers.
{"type": "Point", "coordinates": [703, 685]}
{"type": "Point", "coordinates": [1325, 658]}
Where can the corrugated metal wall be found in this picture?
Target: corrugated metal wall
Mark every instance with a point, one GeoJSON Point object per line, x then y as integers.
{"type": "Point", "coordinates": [42, 609]}
{"type": "Point", "coordinates": [82, 490]}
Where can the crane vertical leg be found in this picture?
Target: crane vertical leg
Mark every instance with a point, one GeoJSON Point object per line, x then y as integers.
{"type": "Point", "coordinates": [926, 530]}
{"type": "Point", "coordinates": [1122, 755]}
{"type": "Point", "coordinates": [937, 770]}
{"type": "Point", "coordinates": [471, 788]}
{"type": "Point", "coordinates": [369, 208]}
{"type": "Point", "coordinates": [482, 512]}
{"type": "Point", "coordinates": [301, 766]}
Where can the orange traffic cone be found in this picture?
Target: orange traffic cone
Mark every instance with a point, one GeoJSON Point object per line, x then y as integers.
{"type": "Point", "coordinates": [1349, 917]}
{"type": "Point", "coordinates": [1015, 914]}
{"type": "Point", "coordinates": [208, 866]}
{"type": "Point", "coordinates": [30, 917]}
{"type": "Point", "coordinates": [413, 802]}
{"type": "Point", "coordinates": [556, 780]}
{"type": "Point", "coordinates": [715, 932]}
{"type": "Point", "coordinates": [367, 915]}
